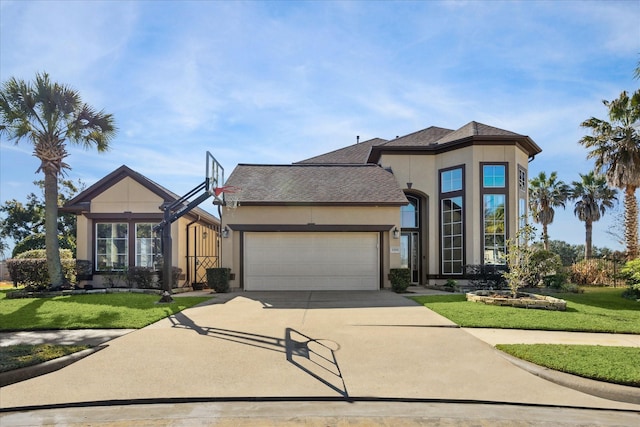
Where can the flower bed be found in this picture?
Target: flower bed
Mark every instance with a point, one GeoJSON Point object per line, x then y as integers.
{"type": "Point", "coordinates": [522, 300]}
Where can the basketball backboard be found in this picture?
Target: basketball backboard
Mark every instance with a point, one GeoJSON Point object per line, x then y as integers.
{"type": "Point", "coordinates": [215, 173]}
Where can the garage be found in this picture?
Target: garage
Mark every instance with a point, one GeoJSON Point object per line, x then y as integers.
{"type": "Point", "coordinates": [311, 261]}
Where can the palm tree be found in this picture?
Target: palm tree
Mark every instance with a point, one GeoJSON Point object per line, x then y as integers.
{"type": "Point", "coordinates": [593, 196]}
{"type": "Point", "coordinates": [47, 115]}
{"type": "Point", "coordinates": [615, 147]}
{"type": "Point", "coordinates": [545, 194]}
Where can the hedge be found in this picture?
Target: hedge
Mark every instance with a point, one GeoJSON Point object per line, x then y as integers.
{"type": "Point", "coordinates": [33, 272]}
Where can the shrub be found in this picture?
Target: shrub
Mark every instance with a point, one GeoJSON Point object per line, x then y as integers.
{"type": "Point", "coordinates": [631, 274]}
{"type": "Point", "coordinates": [546, 264]}
{"type": "Point", "coordinates": [175, 276]}
{"type": "Point", "coordinates": [42, 253]}
{"type": "Point", "coordinates": [451, 285]}
{"type": "Point", "coordinates": [33, 272]}
{"type": "Point", "coordinates": [400, 279]}
{"type": "Point", "coordinates": [218, 279]}
{"type": "Point", "coordinates": [591, 272]}
{"type": "Point", "coordinates": [37, 241]}
{"type": "Point", "coordinates": [141, 277]}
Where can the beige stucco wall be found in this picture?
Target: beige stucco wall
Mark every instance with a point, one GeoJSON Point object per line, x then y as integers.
{"type": "Point", "coordinates": [304, 215]}
{"type": "Point", "coordinates": [126, 196]}
{"type": "Point", "coordinates": [422, 171]}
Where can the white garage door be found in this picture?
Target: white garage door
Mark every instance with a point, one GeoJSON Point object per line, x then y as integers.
{"type": "Point", "coordinates": [311, 261]}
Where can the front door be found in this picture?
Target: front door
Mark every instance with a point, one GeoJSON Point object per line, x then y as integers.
{"type": "Point", "coordinates": [410, 254]}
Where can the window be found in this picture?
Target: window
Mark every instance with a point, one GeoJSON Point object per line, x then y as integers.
{"type": "Point", "coordinates": [117, 248]}
{"type": "Point", "coordinates": [494, 190]}
{"type": "Point", "coordinates": [452, 250]}
{"type": "Point", "coordinates": [522, 180]}
{"type": "Point", "coordinates": [452, 220]}
{"type": "Point", "coordinates": [494, 229]}
{"type": "Point", "coordinates": [112, 246]}
{"type": "Point", "coordinates": [493, 176]}
{"type": "Point", "coordinates": [451, 180]}
{"type": "Point", "coordinates": [410, 213]}
{"type": "Point", "coordinates": [523, 189]}
{"type": "Point", "coordinates": [147, 245]}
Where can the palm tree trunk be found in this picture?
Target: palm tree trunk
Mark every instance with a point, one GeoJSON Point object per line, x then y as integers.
{"type": "Point", "coordinates": [631, 222]}
{"type": "Point", "coordinates": [51, 228]}
{"type": "Point", "coordinates": [545, 237]}
{"type": "Point", "coordinates": [588, 250]}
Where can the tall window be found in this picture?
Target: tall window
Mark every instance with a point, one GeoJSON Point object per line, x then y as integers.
{"type": "Point", "coordinates": [452, 220]}
{"type": "Point", "coordinates": [523, 188]}
{"type": "Point", "coordinates": [112, 246]}
{"type": "Point", "coordinates": [410, 213]}
{"type": "Point", "coordinates": [494, 212]}
{"type": "Point", "coordinates": [147, 245]}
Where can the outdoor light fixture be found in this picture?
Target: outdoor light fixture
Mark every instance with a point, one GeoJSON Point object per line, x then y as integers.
{"type": "Point", "coordinates": [204, 234]}
{"type": "Point", "coordinates": [225, 232]}
{"type": "Point", "coordinates": [396, 233]}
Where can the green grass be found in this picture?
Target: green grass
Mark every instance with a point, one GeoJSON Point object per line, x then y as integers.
{"type": "Point", "coordinates": [20, 356]}
{"type": "Point", "coordinates": [595, 310]}
{"type": "Point", "coordinates": [93, 311]}
{"type": "Point", "coordinates": [619, 365]}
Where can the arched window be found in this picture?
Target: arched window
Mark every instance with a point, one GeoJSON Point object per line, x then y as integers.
{"type": "Point", "coordinates": [410, 214]}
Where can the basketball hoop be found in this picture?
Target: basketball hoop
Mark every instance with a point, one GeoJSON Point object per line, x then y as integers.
{"type": "Point", "coordinates": [230, 195]}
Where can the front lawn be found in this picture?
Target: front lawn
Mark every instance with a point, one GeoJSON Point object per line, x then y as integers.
{"type": "Point", "coordinates": [619, 365]}
{"type": "Point", "coordinates": [92, 311]}
{"type": "Point", "coordinates": [595, 310]}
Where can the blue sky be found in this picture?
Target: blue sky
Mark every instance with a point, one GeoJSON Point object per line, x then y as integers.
{"type": "Point", "coordinates": [278, 82]}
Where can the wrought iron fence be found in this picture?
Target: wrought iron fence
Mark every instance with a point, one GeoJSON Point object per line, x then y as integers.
{"type": "Point", "coordinates": [197, 268]}
{"type": "Point", "coordinates": [594, 271]}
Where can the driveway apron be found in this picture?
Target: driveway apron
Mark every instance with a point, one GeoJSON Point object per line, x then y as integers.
{"type": "Point", "coordinates": [298, 345]}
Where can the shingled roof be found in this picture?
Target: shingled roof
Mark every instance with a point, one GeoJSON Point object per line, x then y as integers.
{"type": "Point", "coordinates": [435, 140]}
{"type": "Point", "coordinates": [305, 184]}
{"type": "Point", "coordinates": [357, 153]}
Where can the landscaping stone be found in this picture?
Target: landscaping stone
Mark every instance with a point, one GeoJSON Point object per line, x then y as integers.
{"type": "Point", "coordinates": [523, 300]}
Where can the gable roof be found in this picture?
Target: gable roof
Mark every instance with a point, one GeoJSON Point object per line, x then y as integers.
{"type": "Point", "coordinates": [434, 140]}
{"type": "Point", "coordinates": [356, 153]}
{"type": "Point", "coordinates": [306, 184]}
{"type": "Point", "coordinates": [82, 202]}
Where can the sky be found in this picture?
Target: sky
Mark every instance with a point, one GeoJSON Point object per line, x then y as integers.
{"type": "Point", "coordinates": [278, 82]}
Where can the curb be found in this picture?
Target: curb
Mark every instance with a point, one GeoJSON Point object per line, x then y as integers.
{"type": "Point", "coordinates": [21, 374]}
{"type": "Point", "coordinates": [617, 392]}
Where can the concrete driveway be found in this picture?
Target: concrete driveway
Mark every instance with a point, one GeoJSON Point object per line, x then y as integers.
{"type": "Point", "coordinates": [298, 346]}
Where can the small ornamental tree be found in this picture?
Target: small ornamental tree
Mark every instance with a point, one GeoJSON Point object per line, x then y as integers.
{"type": "Point", "coordinates": [519, 257]}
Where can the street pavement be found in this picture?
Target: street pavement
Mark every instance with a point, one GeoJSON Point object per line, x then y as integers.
{"type": "Point", "coordinates": [309, 358]}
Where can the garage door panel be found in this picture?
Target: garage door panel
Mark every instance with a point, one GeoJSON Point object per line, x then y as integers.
{"type": "Point", "coordinates": [311, 261]}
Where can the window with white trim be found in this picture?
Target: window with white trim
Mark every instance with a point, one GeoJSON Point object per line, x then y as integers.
{"type": "Point", "coordinates": [147, 245]}
{"type": "Point", "coordinates": [494, 190]}
{"type": "Point", "coordinates": [112, 246]}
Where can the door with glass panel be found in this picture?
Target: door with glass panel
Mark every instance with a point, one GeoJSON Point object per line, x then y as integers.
{"type": "Point", "coordinates": [410, 254]}
{"type": "Point", "coordinates": [410, 238]}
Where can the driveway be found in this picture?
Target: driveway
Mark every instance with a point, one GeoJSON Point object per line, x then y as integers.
{"type": "Point", "coordinates": [299, 346]}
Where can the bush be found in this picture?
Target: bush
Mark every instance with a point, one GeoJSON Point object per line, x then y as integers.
{"type": "Point", "coordinates": [37, 241]}
{"type": "Point", "coordinates": [400, 279]}
{"type": "Point", "coordinates": [631, 274]}
{"type": "Point", "coordinates": [42, 253]}
{"type": "Point", "coordinates": [141, 277]}
{"type": "Point", "coordinates": [546, 264]}
{"type": "Point", "coordinates": [218, 279]}
{"type": "Point", "coordinates": [591, 272]}
{"type": "Point", "coordinates": [175, 276]}
{"type": "Point", "coordinates": [33, 272]}
{"type": "Point", "coordinates": [451, 285]}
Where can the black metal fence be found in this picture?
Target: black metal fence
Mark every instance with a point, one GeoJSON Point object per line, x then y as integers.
{"type": "Point", "coordinates": [604, 271]}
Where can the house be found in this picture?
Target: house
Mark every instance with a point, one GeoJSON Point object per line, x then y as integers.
{"type": "Point", "coordinates": [115, 220]}
{"type": "Point", "coordinates": [433, 201]}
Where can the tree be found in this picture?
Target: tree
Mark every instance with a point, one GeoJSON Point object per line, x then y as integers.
{"type": "Point", "coordinates": [545, 194]}
{"type": "Point", "coordinates": [615, 147]}
{"type": "Point", "coordinates": [48, 115]}
{"type": "Point", "coordinates": [24, 223]}
{"type": "Point", "coordinates": [593, 197]}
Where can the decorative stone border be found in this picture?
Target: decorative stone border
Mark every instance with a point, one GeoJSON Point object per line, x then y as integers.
{"type": "Point", "coordinates": [523, 300]}
{"type": "Point", "coordinates": [49, 294]}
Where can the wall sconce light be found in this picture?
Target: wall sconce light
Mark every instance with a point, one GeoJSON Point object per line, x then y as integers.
{"type": "Point", "coordinates": [225, 232]}
{"type": "Point", "coordinates": [396, 233]}
{"type": "Point", "coordinates": [204, 234]}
